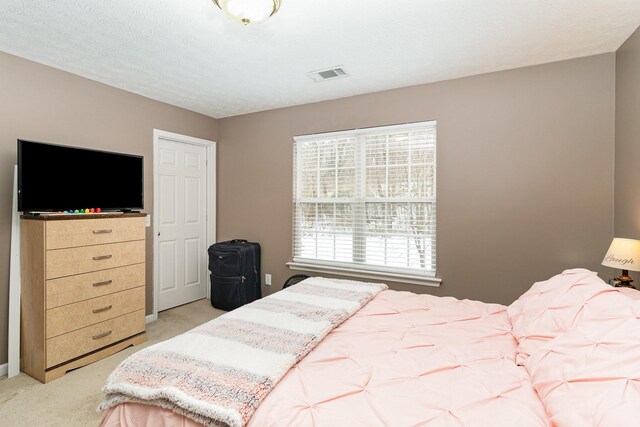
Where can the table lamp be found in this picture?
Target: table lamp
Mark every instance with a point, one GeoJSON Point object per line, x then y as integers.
{"type": "Point", "coordinates": [625, 255]}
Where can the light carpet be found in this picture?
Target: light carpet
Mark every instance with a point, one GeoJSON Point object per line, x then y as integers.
{"type": "Point", "coordinates": [72, 399]}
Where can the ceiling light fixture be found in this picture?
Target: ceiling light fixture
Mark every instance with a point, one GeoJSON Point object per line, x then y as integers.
{"type": "Point", "coordinates": [249, 11]}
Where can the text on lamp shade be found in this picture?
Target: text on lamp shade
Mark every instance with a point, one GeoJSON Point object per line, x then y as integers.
{"type": "Point", "coordinates": [621, 261]}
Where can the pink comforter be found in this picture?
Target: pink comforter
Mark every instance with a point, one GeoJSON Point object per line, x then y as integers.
{"type": "Point", "coordinates": [402, 360]}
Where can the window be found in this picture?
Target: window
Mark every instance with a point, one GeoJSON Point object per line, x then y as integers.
{"type": "Point", "coordinates": [365, 201]}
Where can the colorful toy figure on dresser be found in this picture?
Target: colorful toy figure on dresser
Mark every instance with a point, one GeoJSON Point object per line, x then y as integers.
{"type": "Point", "coordinates": [81, 211]}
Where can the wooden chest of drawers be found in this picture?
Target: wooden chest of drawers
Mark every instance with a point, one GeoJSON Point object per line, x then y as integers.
{"type": "Point", "coordinates": [83, 290]}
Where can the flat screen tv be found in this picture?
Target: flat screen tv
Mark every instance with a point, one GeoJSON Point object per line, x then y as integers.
{"type": "Point", "coordinates": [54, 178]}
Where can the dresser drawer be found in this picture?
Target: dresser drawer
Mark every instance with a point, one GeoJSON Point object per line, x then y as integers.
{"type": "Point", "coordinates": [65, 347]}
{"type": "Point", "coordinates": [71, 317]}
{"type": "Point", "coordinates": [67, 290]}
{"type": "Point", "coordinates": [83, 232]}
{"type": "Point", "coordinates": [67, 262]}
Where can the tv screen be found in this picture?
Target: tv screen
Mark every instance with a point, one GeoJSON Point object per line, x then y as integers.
{"type": "Point", "coordinates": [58, 178]}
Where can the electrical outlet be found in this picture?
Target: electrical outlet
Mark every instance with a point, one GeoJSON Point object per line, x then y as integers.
{"type": "Point", "coordinates": [147, 220]}
{"type": "Point", "coordinates": [267, 279]}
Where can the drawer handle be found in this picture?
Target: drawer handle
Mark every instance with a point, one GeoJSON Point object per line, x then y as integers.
{"type": "Point", "coordinates": [104, 231]}
{"type": "Point", "coordinates": [100, 310]}
{"type": "Point", "coordinates": [98, 258]}
{"type": "Point", "coordinates": [102, 335]}
{"type": "Point", "coordinates": [106, 282]}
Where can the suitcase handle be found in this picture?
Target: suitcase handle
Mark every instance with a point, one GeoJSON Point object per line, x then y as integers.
{"type": "Point", "coordinates": [238, 241]}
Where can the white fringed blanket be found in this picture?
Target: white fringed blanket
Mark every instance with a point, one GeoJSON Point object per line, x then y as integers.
{"type": "Point", "coordinates": [218, 373]}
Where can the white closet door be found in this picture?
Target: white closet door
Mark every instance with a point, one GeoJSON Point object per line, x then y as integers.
{"type": "Point", "coordinates": [182, 224]}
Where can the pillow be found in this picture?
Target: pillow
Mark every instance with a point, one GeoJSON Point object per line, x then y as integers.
{"type": "Point", "coordinates": [590, 376]}
{"type": "Point", "coordinates": [554, 306]}
{"type": "Point", "coordinates": [634, 294]}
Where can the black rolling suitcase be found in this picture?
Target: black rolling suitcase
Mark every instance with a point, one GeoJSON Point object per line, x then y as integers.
{"type": "Point", "coordinates": [235, 273]}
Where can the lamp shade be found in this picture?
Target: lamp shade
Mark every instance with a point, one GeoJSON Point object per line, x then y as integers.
{"type": "Point", "coordinates": [623, 254]}
{"type": "Point", "coordinates": [248, 11]}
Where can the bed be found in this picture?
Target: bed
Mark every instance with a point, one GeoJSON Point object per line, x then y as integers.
{"type": "Point", "coordinates": [566, 353]}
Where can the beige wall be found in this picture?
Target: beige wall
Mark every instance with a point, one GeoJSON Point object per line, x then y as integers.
{"type": "Point", "coordinates": [627, 174]}
{"type": "Point", "coordinates": [44, 104]}
{"type": "Point", "coordinates": [525, 172]}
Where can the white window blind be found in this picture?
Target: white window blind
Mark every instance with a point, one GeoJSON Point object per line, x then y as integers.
{"type": "Point", "coordinates": [366, 199]}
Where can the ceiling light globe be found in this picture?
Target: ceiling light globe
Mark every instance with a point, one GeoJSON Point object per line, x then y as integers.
{"type": "Point", "coordinates": [248, 11]}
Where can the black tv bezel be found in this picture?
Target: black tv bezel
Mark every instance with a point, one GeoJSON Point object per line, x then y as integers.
{"type": "Point", "coordinates": [61, 208]}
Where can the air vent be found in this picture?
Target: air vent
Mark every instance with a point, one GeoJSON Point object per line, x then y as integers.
{"type": "Point", "coordinates": [327, 74]}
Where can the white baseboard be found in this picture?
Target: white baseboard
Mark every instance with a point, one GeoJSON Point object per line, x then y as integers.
{"type": "Point", "coordinates": [149, 319]}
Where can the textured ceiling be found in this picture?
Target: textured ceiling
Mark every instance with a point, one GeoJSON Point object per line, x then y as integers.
{"type": "Point", "coordinates": [187, 53]}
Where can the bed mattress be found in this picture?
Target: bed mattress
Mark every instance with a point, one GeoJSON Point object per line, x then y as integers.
{"type": "Point", "coordinates": [402, 360]}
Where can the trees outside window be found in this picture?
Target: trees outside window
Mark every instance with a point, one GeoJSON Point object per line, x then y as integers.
{"type": "Point", "coordinates": [365, 198]}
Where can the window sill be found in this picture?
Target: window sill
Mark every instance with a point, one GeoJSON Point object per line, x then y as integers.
{"type": "Point", "coordinates": [376, 275]}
